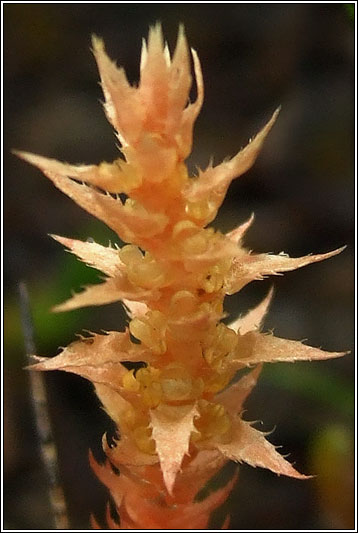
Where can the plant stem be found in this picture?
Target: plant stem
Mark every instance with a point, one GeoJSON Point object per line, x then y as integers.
{"type": "Point", "coordinates": [48, 447]}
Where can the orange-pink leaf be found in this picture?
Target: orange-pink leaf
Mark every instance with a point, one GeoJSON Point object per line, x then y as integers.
{"type": "Point", "coordinates": [111, 290]}
{"type": "Point", "coordinates": [252, 267]}
{"type": "Point", "coordinates": [110, 521]}
{"type": "Point", "coordinates": [122, 105]}
{"type": "Point", "coordinates": [171, 430]}
{"type": "Point", "coordinates": [254, 348]}
{"type": "Point", "coordinates": [109, 478]}
{"type": "Point", "coordinates": [179, 83]}
{"type": "Point", "coordinates": [254, 318]}
{"type": "Point", "coordinates": [191, 112]}
{"type": "Point", "coordinates": [94, 523]}
{"type": "Point", "coordinates": [213, 183]}
{"type": "Point", "coordinates": [97, 358]}
{"type": "Point", "coordinates": [196, 473]}
{"type": "Point", "coordinates": [110, 374]}
{"type": "Point", "coordinates": [132, 222]}
{"type": "Point", "coordinates": [237, 234]}
{"type": "Point", "coordinates": [100, 257]}
{"type": "Point", "coordinates": [134, 308]}
{"type": "Point", "coordinates": [164, 83]}
{"type": "Point", "coordinates": [126, 453]}
{"type": "Point", "coordinates": [113, 346]}
{"type": "Point", "coordinates": [107, 176]}
{"type": "Point", "coordinates": [113, 402]}
{"type": "Point", "coordinates": [150, 514]}
{"type": "Point", "coordinates": [234, 397]}
{"type": "Point", "coordinates": [226, 522]}
{"type": "Point", "coordinates": [157, 105]}
{"type": "Point", "coordinates": [198, 514]}
{"type": "Point", "coordinates": [250, 446]}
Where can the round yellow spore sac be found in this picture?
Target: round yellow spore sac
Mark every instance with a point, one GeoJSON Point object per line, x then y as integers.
{"type": "Point", "coordinates": [146, 274]}
{"type": "Point", "coordinates": [199, 210]}
{"type": "Point", "coordinates": [130, 178]}
{"type": "Point", "coordinates": [214, 422]}
{"type": "Point", "coordinates": [213, 280]}
{"type": "Point", "coordinates": [130, 255]}
{"type": "Point", "coordinates": [129, 382]}
{"type": "Point", "coordinates": [152, 395]}
{"type": "Point", "coordinates": [150, 330]}
{"type": "Point", "coordinates": [184, 229]}
{"type": "Point", "coordinates": [143, 438]}
{"type": "Point", "coordinates": [196, 244]}
{"type": "Point", "coordinates": [177, 384]}
{"type": "Point", "coordinates": [183, 303]}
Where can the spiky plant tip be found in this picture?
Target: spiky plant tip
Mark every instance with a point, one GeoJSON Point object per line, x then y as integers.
{"type": "Point", "coordinates": [179, 415]}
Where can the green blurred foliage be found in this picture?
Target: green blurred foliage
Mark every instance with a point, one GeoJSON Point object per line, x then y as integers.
{"type": "Point", "coordinates": [331, 456]}
{"type": "Point", "coordinates": [350, 10]}
{"type": "Point", "coordinates": [313, 383]}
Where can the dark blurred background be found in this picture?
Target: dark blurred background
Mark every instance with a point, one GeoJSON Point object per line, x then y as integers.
{"type": "Point", "coordinates": [254, 57]}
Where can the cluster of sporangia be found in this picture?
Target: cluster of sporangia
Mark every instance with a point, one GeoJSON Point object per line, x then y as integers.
{"type": "Point", "coordinates": [178, 413]}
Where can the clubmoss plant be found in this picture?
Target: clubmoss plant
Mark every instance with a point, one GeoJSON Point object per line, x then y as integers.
{"type": "Point", "coordinates": [179, 413]}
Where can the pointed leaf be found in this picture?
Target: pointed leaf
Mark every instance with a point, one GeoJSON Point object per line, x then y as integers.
{"type": "Point", "coordinates": [125, 452]}
{"type": "Point", "coordinates": [132, 222]}
{"type": "Point", "coordinates": [212, 184]}
{"type": "Point", "coordinates": [94, 523]}
{"type": "Point", "coordinates": [250, 446]}
{"type": "Point", "coordinates": [254, 348]}
{"type": "Point", "coordinates": [97, 358]}
{"type": "Point", "coordinates": [112, 290]}
{"type": "Point", "coordinates": [198, 514]}
{"type": "Point", "coordinates": [196, 474]}
{"type": "Point", "coordinates": [154, 78]}
{"type": "Point", "coordinates": [109, 478]}
{"type": "Point", "coordinates": [101, 294]}
{"type": "Point", "coordinates": [191, 112]}
{"type": "Point", "coordinates": [237, 234]}
{"type": "Point", "coordinates": [112, 524]}
{"type": "Point", "coordinates": [109, 373]}
{"type": "Point", "coordinates": [171, 430]}
{"type": "Point", "coordinates": [100, 257]}
{"type": "Point", "coordinates": [97, 349]}
{"type": "Point", "coordinates": [226, 523]}
{"type": "Point", "coordinates": [122, 106]}
{"type": "Point", "coordinates": [234, 397]}
{"type": "Point", "coordinates": [114, 404]}
{"type": "Point", "coordinates": [151, 514]}
{"type": "Point", "coordinates": [107, 176]}
{"type": "Point", "coordinates": [134, 308]}
{"type": "Point", "coordinates": [179, 81]}
{"type": "Point", "coordinates": [252, 267]}
{"type": "Point", "coordinates": [155, 68]}
{"type": "Point", "coordinates": [254, 318]}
